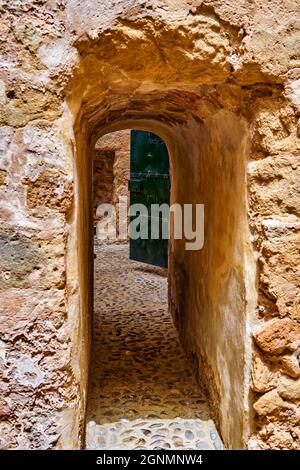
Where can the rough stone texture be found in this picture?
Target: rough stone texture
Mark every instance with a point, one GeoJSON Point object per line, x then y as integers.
{"type": "Point", "coordinates": [111, 174]}
{"type": "Point", "coordinates": [265, 375]}
{"type": "Point", "coordinates": [289, 389]}
{"type": "Point", "coordinates": [222, 88]}
{"type": "Point", "coordinates": [278, 336]}
{"type": "Point", "coordinates": [155, 433]}
{"type": "Point", "coordinates": [141, 392]}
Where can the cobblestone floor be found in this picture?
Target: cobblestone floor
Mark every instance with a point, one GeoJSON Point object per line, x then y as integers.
{"type": "Point", "coordinates": [141, 394]}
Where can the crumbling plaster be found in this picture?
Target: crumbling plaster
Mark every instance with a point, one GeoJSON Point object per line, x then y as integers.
{"type": "Point", "coordinates": [220, 83]}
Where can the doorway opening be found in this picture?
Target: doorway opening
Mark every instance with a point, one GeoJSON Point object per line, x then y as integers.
{"type": "Point", "coordinates": [208, 289]}
{"type": "Point", "coordinates": [142, 393]}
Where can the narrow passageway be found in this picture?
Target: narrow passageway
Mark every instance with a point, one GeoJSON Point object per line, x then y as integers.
{"type": "Point", "coordinates": [141, 393]}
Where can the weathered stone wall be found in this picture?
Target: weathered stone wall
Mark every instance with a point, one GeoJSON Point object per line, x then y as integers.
{"type": "Point", "coordinates": [111, 175]}
{"type": "Point", "coordinates": [274, 209]}
{"type": "Point", "coordinates": [221, 87]}
{"type": "Point", "coordinates": [103, 178]}
{"type": "Point", "coordinates": [38, 380]}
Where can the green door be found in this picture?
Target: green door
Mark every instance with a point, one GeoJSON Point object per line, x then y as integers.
{"type": "Point", "coordinates": [149, 184]}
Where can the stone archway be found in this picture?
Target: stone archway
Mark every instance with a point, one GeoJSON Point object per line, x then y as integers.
{"type": "Point", "coordinates": [209, 80]}
{"type": "Point", "coordinates": [207, 145]}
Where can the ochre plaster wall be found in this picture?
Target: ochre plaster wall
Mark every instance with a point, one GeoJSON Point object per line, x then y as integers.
{"type": "Point", "coordinates": [219, 81]}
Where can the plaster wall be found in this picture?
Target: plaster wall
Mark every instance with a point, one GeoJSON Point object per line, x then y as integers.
{"type": "Point", "coordinates": [223, 97]}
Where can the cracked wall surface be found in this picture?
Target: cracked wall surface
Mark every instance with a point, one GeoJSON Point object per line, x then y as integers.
{"type": "Point", "coordinates": [220, 82]}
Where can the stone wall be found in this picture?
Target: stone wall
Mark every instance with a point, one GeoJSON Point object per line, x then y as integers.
{"type": "Point", "coordinates": [111, 175]}
{"type": "Point", "coordinates": [103, 177]}
{"type": "Point", "coordinates": [222, 89]}
{"type": "Point", "coordinates": [274, 209]}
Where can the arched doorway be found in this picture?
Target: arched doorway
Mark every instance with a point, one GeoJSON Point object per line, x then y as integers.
{"type": "Point", "coordinates": [142, 393]}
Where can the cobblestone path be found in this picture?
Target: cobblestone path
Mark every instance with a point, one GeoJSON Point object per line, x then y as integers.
{"type": "Point", "coordinates": [141, 394]}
